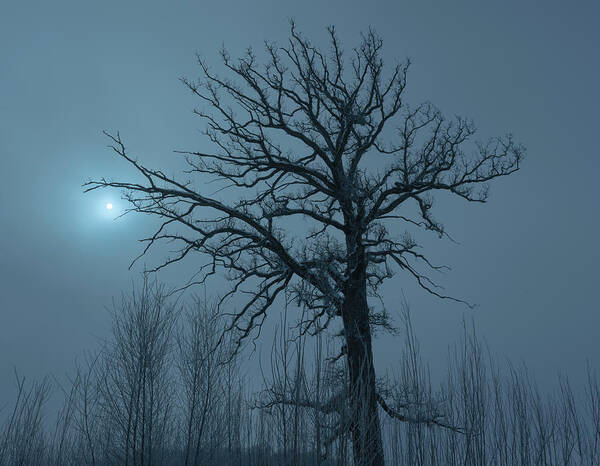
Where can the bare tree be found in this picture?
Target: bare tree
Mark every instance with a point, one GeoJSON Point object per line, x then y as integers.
{"type": "Point", "coordinates": [82, 397]}
{"type": "Point", "coordinates": [22, 439]}
{"type": "Point", "coordinates": [134, 377]}
{"type": "Point", "coordinates": [328, 138]}
{"type": "Point", "coordinates": [203, 371]}
{"type": "Point", "coordinates": [505, 419]}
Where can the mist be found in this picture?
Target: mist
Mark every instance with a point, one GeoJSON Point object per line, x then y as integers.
{"type": "Point", "coordinates": [520, 267]}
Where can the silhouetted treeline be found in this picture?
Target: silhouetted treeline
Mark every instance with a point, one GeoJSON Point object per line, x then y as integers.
{"type": "Point", "coordinates": [165, 390]}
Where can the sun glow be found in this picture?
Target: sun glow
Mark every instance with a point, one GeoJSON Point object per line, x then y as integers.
{"type": "Point", "coordinates": [109, 206]}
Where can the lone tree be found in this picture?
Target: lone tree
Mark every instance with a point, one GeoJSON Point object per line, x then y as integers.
{"type": "Point", "coordinates": [325, 137]}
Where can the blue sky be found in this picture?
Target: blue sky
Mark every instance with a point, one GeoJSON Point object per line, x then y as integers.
{"type": "Point", "coordinates": [528, 258]}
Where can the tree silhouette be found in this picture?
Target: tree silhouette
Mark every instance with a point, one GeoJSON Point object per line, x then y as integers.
{"type": "Point", "coordinates": [326, 137]}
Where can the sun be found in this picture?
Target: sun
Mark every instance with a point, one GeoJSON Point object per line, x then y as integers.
{"type": "Point", "coordinates": [109, 206]}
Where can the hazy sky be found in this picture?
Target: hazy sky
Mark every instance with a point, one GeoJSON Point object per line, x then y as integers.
{"type": "Point", "coordinates": [529, 258]}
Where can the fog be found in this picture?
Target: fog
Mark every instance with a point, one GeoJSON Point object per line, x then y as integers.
{"type": "Point", "coordinates": [526, 258]}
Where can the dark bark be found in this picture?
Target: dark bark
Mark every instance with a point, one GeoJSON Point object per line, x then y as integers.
{"type": "Point", "coordinates": [365, 427]}
{"type": "Point", "coordinates": [341, 172]}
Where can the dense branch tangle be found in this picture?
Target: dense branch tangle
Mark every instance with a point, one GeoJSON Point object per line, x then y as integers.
{"type": "Point", "coordinates": [329, 139]}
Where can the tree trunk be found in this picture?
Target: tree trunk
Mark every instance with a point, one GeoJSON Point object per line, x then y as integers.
{"type": "Point", "coordinates": [365, 428]}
